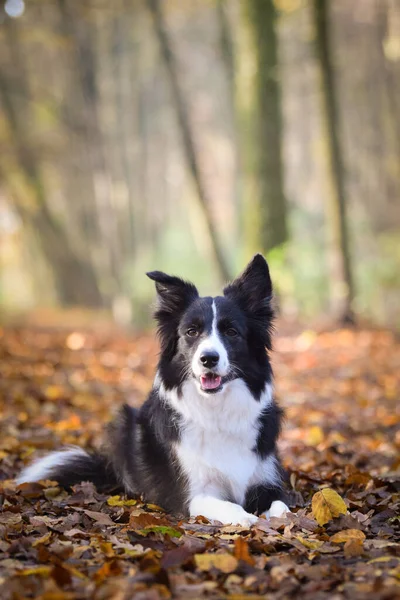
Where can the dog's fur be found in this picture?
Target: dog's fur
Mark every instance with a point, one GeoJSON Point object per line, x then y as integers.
{"type": "Point", "coordinates": [204, 442]}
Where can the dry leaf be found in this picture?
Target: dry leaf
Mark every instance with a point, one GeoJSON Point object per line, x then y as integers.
{"type": "Point", "coordinates": [53, 550]}
{"type": "Point", "coordinates": [311, 544]}
{"type": "Point", "coordinates": [353, 547]}
{"type": "Point", "coordinates": [120, 501]}
{"type": "Point", "coordinates": [327, 504]}
{"type": "Point", "coordinates": [346, 535]}
{"type": "Point", "coordinates": [223, 562]}
{"type": "Point", "coordinates": [241, 551]}
{"type": "Point", "coordinates": [101, 518]}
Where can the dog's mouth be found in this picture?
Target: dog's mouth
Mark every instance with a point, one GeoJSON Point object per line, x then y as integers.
{"type": "Point", "coordinates": [210, 382]}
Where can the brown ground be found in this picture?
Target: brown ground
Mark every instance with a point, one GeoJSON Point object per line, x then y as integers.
{"type": "Point", "coordinates": [340, 391]}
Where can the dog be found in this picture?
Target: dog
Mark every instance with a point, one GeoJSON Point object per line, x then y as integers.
{"type": "Point", "coordinates": [204, 441]}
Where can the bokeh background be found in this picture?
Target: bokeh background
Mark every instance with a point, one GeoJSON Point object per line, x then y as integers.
{"type": "Point", "coordinates": [186, 135]}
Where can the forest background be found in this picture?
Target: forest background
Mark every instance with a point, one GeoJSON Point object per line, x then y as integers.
{"type": "Point", "coordinates": [185, 136]}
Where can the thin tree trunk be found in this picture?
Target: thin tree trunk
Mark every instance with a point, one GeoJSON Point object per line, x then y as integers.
{"type": "Point", "coordinates": [227, 49]}
{"type": "Point", "coordinates": [187, 133]}
{"type": "Point", "coordinates": [269, 218]}
{"type": "Point", "coordinates": [342, 284]}
{"type": "Point", "coordinates": [85, 66]}
{"type": "Point", "coordinates": [74, 280]}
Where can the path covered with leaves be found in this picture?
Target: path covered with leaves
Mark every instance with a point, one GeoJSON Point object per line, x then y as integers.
{"type": "Point", "coordinates": [340, 444]}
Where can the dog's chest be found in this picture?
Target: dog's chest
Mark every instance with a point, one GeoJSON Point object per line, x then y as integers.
{"type": "Point", "coordinates": [217, 462]}
{"type": "Point", "coordinates": [217, 439]}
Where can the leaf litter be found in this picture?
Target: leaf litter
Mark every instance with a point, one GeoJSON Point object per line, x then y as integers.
{"type": "Point", "coordinates": [340, 444]}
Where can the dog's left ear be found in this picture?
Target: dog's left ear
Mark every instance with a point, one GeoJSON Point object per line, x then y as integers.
{"type": "Point", "coordinates": [174, 294]}
{"type": "Point", "coordinates": [253, 288]}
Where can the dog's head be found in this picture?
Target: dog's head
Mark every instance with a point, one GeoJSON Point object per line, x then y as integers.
{"type": "Point", "coordinates": [216, 340]}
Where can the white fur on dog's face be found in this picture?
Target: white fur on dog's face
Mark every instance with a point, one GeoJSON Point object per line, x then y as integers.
{"type": "Point", "coordinates": [212, 343]}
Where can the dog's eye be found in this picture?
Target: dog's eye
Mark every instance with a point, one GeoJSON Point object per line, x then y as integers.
{"type": "Point", "coordinates": [231, 332]}
{"type": "Point", "coordinates": [192, 332]}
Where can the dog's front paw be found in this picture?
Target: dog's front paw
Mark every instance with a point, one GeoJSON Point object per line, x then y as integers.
{"type": "Point", "coordinates": [238, 516]}
{"type": "Point", "coordinates": [277, 509]}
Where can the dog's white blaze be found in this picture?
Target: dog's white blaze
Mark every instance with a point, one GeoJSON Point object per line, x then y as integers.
{"type": "Point", "coordinates": [219, 434]}
{"type": "Point", "coordinates": [212, 343]}
{"type": "Point", "coordinates": [42, 468]}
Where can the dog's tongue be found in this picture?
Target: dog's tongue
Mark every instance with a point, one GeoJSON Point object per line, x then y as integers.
{"type": "Point", "coordinates": [210, 382]}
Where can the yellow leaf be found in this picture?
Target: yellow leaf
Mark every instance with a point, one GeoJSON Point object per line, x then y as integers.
{"type": "Point", "coordinates": [311, 544]}
{"type": "Point", "coordinates": [40, 570]}
{"type": "Point", "coordinates": [55, 493]}
{"type": "Point", "coordinates": [107, 549]}
{"type": "Point", "coordinates": [327, 504]}
{"type": "Point", "coordinates": [346, 535]}
{"type": "Point", "coordinates": [42, 540]}
{"type": "Point", "coordinates": [315, 436]}
{"type": "Point", "coordinates": [223, 562]}
{"type": "Point", "coordinates": [118, 501]}
{"type": "Point", "coordinates": [154, 507]}
{"type": "Point", "coordinates": [387, 558]}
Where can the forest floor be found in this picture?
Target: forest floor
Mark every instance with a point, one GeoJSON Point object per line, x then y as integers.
{"type": "Point", "coordinates": [340, 391]}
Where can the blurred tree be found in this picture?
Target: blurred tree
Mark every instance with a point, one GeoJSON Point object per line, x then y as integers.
{"type": "Point", "coordinates": [342, 293]}
{"type": "Point", "coordinates": [84, 108]}
{"type": "Point", "coordinates": [267, 204]}
{"type": "Point", "coordinates": [74, 278]}
{"type": "Point", "coordinates": [227, 51]}
{"type": "Point", "coordinates": [187, 135]}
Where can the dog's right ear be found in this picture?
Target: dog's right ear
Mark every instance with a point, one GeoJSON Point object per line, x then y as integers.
{"type": "Point", "coordinates": [174, 294]}
{"type": "Point", "coordinates": [174, 297]}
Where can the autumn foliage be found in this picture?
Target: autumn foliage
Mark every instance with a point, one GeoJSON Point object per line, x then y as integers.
{"type": "Point", "coordinates": [340, 444]}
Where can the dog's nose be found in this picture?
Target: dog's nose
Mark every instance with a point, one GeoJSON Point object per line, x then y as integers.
{"type": "Point", "coordinates": [209, 359]}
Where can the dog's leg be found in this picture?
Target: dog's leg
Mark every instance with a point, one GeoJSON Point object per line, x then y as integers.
{"type": "Point", "coordinates": [277, 509]}
{"type": "Point", "coordinates": [220, 510]}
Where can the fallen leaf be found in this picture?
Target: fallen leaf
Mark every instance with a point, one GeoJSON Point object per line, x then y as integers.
{"type": "Point", "coordinates": [241, 551]}
{"type": "Point", "coordinates": [327, 504]}
{"type": "Point", "coordinates": [346, 535]}
{"type": "Point", "coordinates": [353, 547]}
{"type": "Point", "coordinates": [119, 501]}
{"type": "Point", "coordinates": [99, 517]}
{"type": "Point", "coordinates": [42, 571]}
{"type": "Point", "coordinates": [144, 519]}
{"type": "Point", "coordinates": [162, 529]}
{"type": "Point", "coordinates": [223, 562]}
{"type": "Point", "coordinates": [42, 540]}
{"type": "Point", "coordinates": [175, 557]}
{"type": "Point", "coordinates": [10, 519]}
{"type": "Point", "coordinates": [311, 544]}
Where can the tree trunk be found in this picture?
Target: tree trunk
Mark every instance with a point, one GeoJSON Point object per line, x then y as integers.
{"type": "Point", "coordinates": [342, 279]}
{"type": "Point", "coordinates": [227, 50]}
{"type": "Point", "coordinates": [85, 66]}
{"type": "Point", "coordinates": [187, 134]}
{"type": "Point", "coordinates": [268, 221]}
{"type": "Point", "coordinates": [74, 280]}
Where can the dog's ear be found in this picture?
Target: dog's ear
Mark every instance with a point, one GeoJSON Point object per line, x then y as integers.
{"type": "Point", "coordinates": [253, 288]}
{"type": "Point", "coordinates": [174, 297]}
{"type": "Point", "coordinates": [174, 294]}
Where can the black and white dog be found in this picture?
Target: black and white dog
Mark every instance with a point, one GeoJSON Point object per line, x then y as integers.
{"type": "Point", "coordinates": [204, 442]}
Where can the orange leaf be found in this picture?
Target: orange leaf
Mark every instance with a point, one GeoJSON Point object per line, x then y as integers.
{"type": "Point", "coordinates": [241, 551]}
{"type": "Point", "coordinates": [347, 535]}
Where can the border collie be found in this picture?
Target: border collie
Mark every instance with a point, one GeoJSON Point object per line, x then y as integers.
{"type": "Point", "coordinates": [204, 442]}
